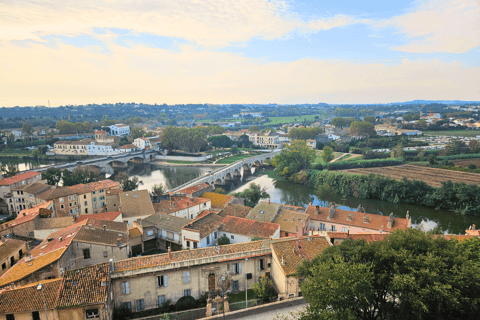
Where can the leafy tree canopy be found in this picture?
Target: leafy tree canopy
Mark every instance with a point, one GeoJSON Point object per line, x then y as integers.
{"type": "Point", "coordinates": [252, 195]}
{"type": "Point", "coordinates": [293, 158]}
{"type": "Point", "coordinates": [360, 128]}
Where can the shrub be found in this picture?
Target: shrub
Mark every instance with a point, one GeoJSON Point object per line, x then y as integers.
{"type": "Point", "coordinates": [185, 303]}
{"type": "Point", "coordinates": [223, 240]}
{"type": "Point", "coordinates": [472, 166]}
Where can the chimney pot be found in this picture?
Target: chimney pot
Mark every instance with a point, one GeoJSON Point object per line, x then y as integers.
{"type": "Point", "coordinates": [169, 253]}
{"type": "Point", "coordinates": [104, 227]}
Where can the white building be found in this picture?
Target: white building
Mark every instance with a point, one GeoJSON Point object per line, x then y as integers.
{"type": "Point", "coordinates": [101, 149]}
{"type": "Point", "coordinates": [142, 143]}
{"type": "Point", "coordinates": [119, 129]}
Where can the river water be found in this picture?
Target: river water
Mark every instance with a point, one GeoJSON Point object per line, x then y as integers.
{"type": "Point", "coordinates": [294, 194]}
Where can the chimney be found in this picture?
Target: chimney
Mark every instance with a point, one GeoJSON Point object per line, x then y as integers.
{"type": "Point", "coordinates": [268, 200]}
{"type": "Point", "coordinates": [169, 253]}
{"type": "Point", "coordinates": [111, 266]}
{"type": "Point", "coordinates": [104, 227]}
{"type": "Point", "coordinates": [28, 257]}
{"type": "Point", "coordinates": [24, 214]}
{"type": "Point", "coordinates": [365, 219]}
{"type": "Point", "coordinates": [283, 261]}
{"type": "Point", "coordinates": [317, 211]}
{"type": "Point", "coordinates": [390, 221]}
{"type": "Point", "coordinates": [119, 242]}
{"type": "Point", "coordinates": [331, 211]}
{"type": "Point", "coordinates": [60, 239]}
{"type": "Point", "coordinates": [50, 239]}
{"type": "Point", "coordinates": [191, 199]}
{"type": "Point", "coordinates": [350, 217]}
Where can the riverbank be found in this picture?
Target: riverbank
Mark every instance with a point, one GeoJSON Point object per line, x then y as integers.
{"type": "Point", "coordinates": [184, 164]}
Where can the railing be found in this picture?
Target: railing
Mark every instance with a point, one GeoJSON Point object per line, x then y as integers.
{"type": "Point", "coordinates": [192, 314]}
{"type": "Point", "coordinates": [242, 305]}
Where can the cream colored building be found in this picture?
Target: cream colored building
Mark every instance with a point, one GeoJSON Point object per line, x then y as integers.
{"type": "Point", "coordinates": [92, 196]}
{"type": "Point", "coordinates": [11, 250]}
{"type": "Point", "coordinates": [264, 139]}
{"type": "Point", "coordinates": [8, 184]}
{"type": "Point", "coordinates": [75, 148]}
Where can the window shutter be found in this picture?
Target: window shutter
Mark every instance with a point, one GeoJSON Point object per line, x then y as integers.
{"type": "Point", "coordinates": [127, 287]}
{"type": "Point", "coordinates": [259, 265]}
{"type": "Point", "coordinates": [123, 288]}
{"type": "Point", "coordinates": [234, 268]}
{"type": "Point", "coordinates": [239, 268]}
{"type": "Point", "coordinates": [165, 280]}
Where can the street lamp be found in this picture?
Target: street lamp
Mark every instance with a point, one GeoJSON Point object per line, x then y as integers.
{"type": "Point", "coordinates": [246, 286]}
{"type": "Point", "coordinates": [40, 287]}
{"type": "Point", "coordinates": [223, 296]}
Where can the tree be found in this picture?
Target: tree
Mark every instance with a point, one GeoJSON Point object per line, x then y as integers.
{"type": "Point", "coordinates": [53, 176]}
{"type": "Point", "coordinates": [358, 128]}
{"type": "Point", "coordinates": [293, 158]}
{"type": "Point", "coordinates": [398, 152]}
{"type": "Point", "coordinates": [474, 146]}
{"type": "Point", "coordinates": [244, 141]}
{"type": "Point", "coordinates": [253, 128]}
{"type": "Point", "coordinates": [252, 195]}
{"type": "Point", "coordinates": [304, 133]}
{"type": "Point", "coordinates": [137, 132]}
{"type": "Point", "coordinates": [432, 159]}
{"type": "Point", "coordinates": [27, 129]}
{"type": "Point", "coordinates": [130, 184]}
{"type": "Point", "coordinates": [264, 289]}
{"type": "Point", "coordinates": [411, 275]}
{"type": "Point", "coordinates": [338, 122]}
{"type": "Point", "coordinates": [327, 154]}
{"type": "Point", "coordinates": [9, 171]}
{"type": "Point", "coordinates": [407, 117]}
{"type": "Point", "coordinates": [456, 146]}
{"type": "Point", "coordinates": [158, 190]}
{"type": "Point", "coordinates": [223, 240]}
{"type": "Point", "coordinates": [370, 119]}
{"type": "Point", "coordinates": [79, 175]}
{"type": "Point", "coordinates": [123, 141]}
{"type": "Point", "coordinates": [220, 141]}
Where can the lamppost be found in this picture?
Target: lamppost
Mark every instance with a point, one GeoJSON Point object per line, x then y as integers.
{"type": "Point", "coordinates": [246, 285]}
{"type": "Point", "coordinates": [223, 296]}
{"type": "Point", "coordinates": [40, 287]}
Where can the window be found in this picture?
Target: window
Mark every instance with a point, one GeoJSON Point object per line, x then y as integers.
{"type": "Point", "coordinates": [321, 227]}
{"type": "Point", "coordinates": [215, 235]}
{"type": "Point", "coordinates": [186, 277]}
{"type": "Point", "coordinates": [35, 315]}
{"type": "Point", "coordinates": [334, 228]}
{"type": "Point", "coordinates": [92, 314]}
{"type": "Point", "coordinates": [140, 305]}
{"type": "Point", "coordinates": [312, 225]}
{"type": "Point", "coordinates": [95, 205]}
{"type": "Point", "coordinates": [86, 210]}
{"type": "Point", "coordinates": [60, 200]}
{"type": "Point", "coordinates": [344, 229]}
{"type": "Point", "coordinates": [125, 288]}
{"type": "Point", "coordinates": [62, 206]}
{"type": "Point", "coordinates": [127, 305]}
{"type": "Point", "coordinates": [69, 197]}
{"type": "Point", "coordinates": [70, 204]}
{"type": "Point", "coordinates": [162, 281]}
{"type": "Point", "coordinates": [85, 197]}
{"type": "Point", "coordinates": [188, 244]}
{"type": "Point", "coordinates": [86, 203]}
{"type": "Point", "coordinates": [10, 317]}
{"type": "Point", "coordinates": [94, 199]}
{"type": "Point", "coordinates": [149, 233]}
{"type": "Point", "coordinates": [105, 254]}
{"type": "Point", "coordinates": [232, 237]}
{"type": "Point", "coordinates": [187, 292]}
{"type": "Point", "coordinates": [20, 253]}
{"type": "Point", "coordinates": [93, 192]}
{"type": "Point", "coordinates": [237, 268]}
{"type": "Point", "coordinates": [195, 245]}
{"type": "Point", "coordinates": [261, 264]}
{"type": "Point", "coordinates": [74, 196]}
{"type": "Point", "coordinates": [161, 300]}
{"type": "Point", "coordinates": [208, 240]}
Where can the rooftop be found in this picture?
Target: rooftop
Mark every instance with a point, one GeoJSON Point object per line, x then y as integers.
{"type": "Point", "coordinates": [134, 232]}
{"type": "Point", "coordinates": [292, 253]}
{"type": "Point", "coordinates": [205, 225]}
{"type": "Point", "coordinates": [17, 178]}
{"type": "Point", "coordinates": [178, 203]}
{"type": "Point", "coordinates": [166, 222]}
{"type": "Point", "coordinates": [235, 210]}
{"type": "Point", "coordinates": [136, 203]}
{"type": "Point", "coordinates": [110, 216]}
{"type": "Point", "coordinates": [35, 188]}
{"type": "Point", "coordinates": [368, 237]}
{"type": "Point", "coordinates": [29, 214]}
{"type": "Point", "coordinates": [358, 219]}
{"type": "Point", "coordinates": [250, 228]}
{"type": "Point", "coordinates": [218, 200]}
{"type": "Point", "coordinates": [188, 191]}
{"type": "Point", "coordinates": [291, 221]}
{"type": "Point", "coordinates": [53, 223]}
{"type": "Point", "coordinates": [8, 247]}
{"type": "Point", "coordinates": [95, 186]}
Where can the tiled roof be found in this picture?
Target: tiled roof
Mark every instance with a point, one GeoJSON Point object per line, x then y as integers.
{"type": "Point", "coordinates": [264, 211]}
{"type": "Point", "coordinates": [85, 286]}
{"type": "Point", "coordinates": [368, 237]}
{"type": "Point", "coordinates": [205, 225]}
{"type": "Point", "coordinates": [134, 232]}
{"type": "Point", "coordinates": [128, 146]}
{"type": "Point", "coordinates": [136, 203]}
{"type": "Point", "coordinates": [76, 143]}
{"type": "Point", "coordinates": [235, 210]}
{"type": "Point", "coordinates": [53, 223]}
{"type": "Point", "coordinates": [93, 232]}
{"type": "Point", "coordinates": [23, 269]}
{"type": "Point", "coordinates": [28, 298]}
{"type": "Point", "coordinates": [218, 200]}
{"type": "Point", "coordinates": [165, 221]}
{"type": "Point", "coordinates": [188, 191]}
{"type": "Point", "coordinates": [29, 214]}
{"type": "Point", "coordinates": [95, 186]}
{"type": "Point", "coordinates": [110, 216]}
{"type": "Point", "coordinates": [203, 214]}
{"type": "Point", "coordinates": [291, 221]}
{"type": "Point", "coordinates": [163, 259]}
{"type": "Point", "coordinates": [8, 247]}
{"type": "Point", "coordinates": [295, 251]}
{"type": "Point", "coordinates": [178, 203]}
{"type": "Point", "coordinates": [35, 188]}
{"type": "Point", "coordinates": [375, 221]}
{"type": "Point", "coordinates": [55, 193]}
{"type": "Point", "coordinates": [250, 228]}
{"type": "Point", "coordinates": [100, 132]}
{"type": "Point", "coordinates": [17, 178]}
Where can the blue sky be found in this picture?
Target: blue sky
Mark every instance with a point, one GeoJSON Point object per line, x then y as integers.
{"type": "Point", "coordinates": [251, 51]}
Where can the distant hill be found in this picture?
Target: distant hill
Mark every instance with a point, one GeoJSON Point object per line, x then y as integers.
{"type": "Point", "coordinates": [436, 101]}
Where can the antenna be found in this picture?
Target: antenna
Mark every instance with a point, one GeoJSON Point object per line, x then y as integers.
{"type": "Point", "coordinates": [49, 103]}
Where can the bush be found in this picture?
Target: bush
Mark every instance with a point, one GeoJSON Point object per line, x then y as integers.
{"type": "Point", "coordinates": [185, 303]}
{"type": "Point", "coordinates": [342, 165]}
{"type": "Point", "coordinates": [472, 166]}
{"type": "Point", "coordinates": [223, 240]}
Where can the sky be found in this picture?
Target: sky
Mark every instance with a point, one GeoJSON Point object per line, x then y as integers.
{"type": "Point", "coordinates": [73, 52]}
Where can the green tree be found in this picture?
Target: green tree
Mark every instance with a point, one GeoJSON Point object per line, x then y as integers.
{"type": "Point", "coordinates": [293, 158]}
{"type": "Point", "coordinates": [339, 122]}
{"type": "Point", "coordinates": [407, 117]}
{"type": "Point", "coordinates": [264, 289]}
{"type": "Point", "coordinates": [158, 189]}
{"type": "Point", "coordinates": [327, 154]}
{"type": "Point", "coordinates": [221, 141]}
{"type": "Point", "coordinates": [432, 159]}
{"type": "Point", "coordinates": [253, 194]}
{"type": "Point", "coordinates": [52, 175]}
{"type": "Point", "coordinates": [130, 184]}
{"type": "Point", "coordinates": [370, 119]}
{"type": "Point", "coordinates": [137, 132]}
{"type": "Point", "coordinates": [27, 129]}
{"type": "Point", "coordinates": [474, 145]}
{"type": "Point", "coordinates": [398, 152]}
{"type": "Point", "coordinates": [253, 128]}
{"type": "Point", "coordinates": [123, 141]}
{"type": "Point", "coordinates": [223, 240]}
{"type": "Point", "coordinates": [304, 133]}
{"type": "Point", "coordinates": [79, 175]}
{"type": "Point", "coordinates": [411, 275]}
{"type": "Point", "coordinates": [456, 146]}
{"type": "Point", "coordinates": [359, 128]}
{"type": "Point", "coordinates": [8, 170]}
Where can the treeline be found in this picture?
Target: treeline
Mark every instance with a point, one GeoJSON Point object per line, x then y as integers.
{"type": "Point", "coordinates": [191, 140]}
{"type": "Point", "coordinates": [304, 133]}
{"type": "Point", "coordinates": [343, 165]}
{"type": "Point", "coordinates": [459, 197]}
{"type": "Point", "coordinates": [67, 127]}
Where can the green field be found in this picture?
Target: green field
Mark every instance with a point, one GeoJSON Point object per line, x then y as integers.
{"type": "Point", "coordinates": [232, 159]}
{"type": "Point", "coordinates": [15, 152]}
{"type": "Point", "coordinates": [454, 133]}
{"type": "Point", "coordinates": [277, 120]}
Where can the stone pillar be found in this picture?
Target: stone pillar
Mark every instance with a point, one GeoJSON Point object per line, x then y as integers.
{"type": "Point", "coordinates": [209, 307]}
{"type": "Point", "coordinates": [227, 305]}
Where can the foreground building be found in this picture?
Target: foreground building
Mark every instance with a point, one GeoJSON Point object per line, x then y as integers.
{"type": "Point", "coordinates": [6, 190]}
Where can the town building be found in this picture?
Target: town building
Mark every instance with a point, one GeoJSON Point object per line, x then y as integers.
{"type": "Point", "coordinates": [92, 196]}
{"type": "Point", "coordinates": [264, 139]}
{"type": "Point", "coordinates": [185, 207]}
{"type": "Point", "coordinates": [73, 148]}
{"type": "Point", "coordinates": [26, 196]}
{"type": "Point", "coordinates": [64, 199]}
{"type": "Point", "coordinates": [163, 231]}
{"type": "Point", "coordinates": [26, 221]}
{"type": "Point", "coordinates": [11, 250]}
{"type": "Point", "coordinates": [119, 130]}
{"type": "Point", "coordinates": [142, 143]}
{"type": "Point", "coordinates": [6, 190]}
{"type": "Point", "coordinates": [46, 226]}
{"type": "Point", "coordinates": [334, 219]}
{"type": "Point", "coordinates": [135, 205]}
{"type": "Point", "coordinates": [218, 201]}
{"type": "Point", "coordinates": [193, 191]}
{"type": "Point", "coordinates": [135, 239]}
{"type": "Point", "coordinates": [312, 143]}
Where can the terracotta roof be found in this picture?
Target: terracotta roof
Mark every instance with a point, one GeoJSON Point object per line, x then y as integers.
{"type": "Point", "coordinates": [110, 216]}
{"type": "Point", "coordinates": [9, 246]}
{"type": "Point", "coordinates": [203, 214]}
{"type": "Point", "coordinates": [163, 259]}
{"type": "Point", "coordinates": [53, 223]}
{"type": "Point", "coordinates": [205, 225]}
{"type": "Point", "coordinates": [178, 203]}
{"type": "Point", "coordinates": [27, 298]}
{"type": "Point", "coordinates": [29, 214]}
{"type": "Point", "coordinates": [121, 125]}
{"type": "Point", "coordinates": [218, 200]}
{"type": "Point", "coordinates": [188, 191]}
{"type": "Point", "coordinates": [56, 193]}
{"type": "Point", "coordinates": [76, 143]}
{"type": "Point", "coordinates": [369, 237]}
{"type": "Point", "coordinates": [23, 269]}
{"type": "Point", "coordinates": [100, 132]}
{"type": "Point", "coordinates": [235, 210]}
{"type": "Point", "coordinates": [165, 221]}
{"type": "Point", "coordinates": [95, 186]}
{"type": "Point", "coordinates": [250, 228]}
{"type": "Point", "coordinates": [85, 286]}
{"type": "Point", "coordinates": [17, 178]}
{"type": "Point", "coordinates": [134, 232]}
{"type": "Point", "coordinates": [35, 188]}
{"type": "Point", "coordinates": [136, 203]}
{"type": "Point", "coordinates": [291, 221]}
{"type": "Point", "coordinates": [375, 221]}
{"type": "Point", "coordinates": [128, 146]}
{"type": "Point", "coordinates": [295, 251]}
{"type": "Point", "coordinates": [93, 232]}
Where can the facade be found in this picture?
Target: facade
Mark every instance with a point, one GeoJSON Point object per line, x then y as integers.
{"type": "Point", "coordinates": [11, 250]}
{"type": "Point", "coordinates": [92, 196]}
{"type": "Point", "coordinates": [264, 139]}
{"type": "Point", "coordinates": [312, 143]}
{"type": "Point", "coordinates": [75, 148]}
{"type": "Point", "coordinates": [65, 200]}
{"type": "Point", "coordinates": [333, 219]}
{"type": "Point", "coordinates": [46, 226]}
{"type": "Point", "coordinates": [163, 231]}
{"type": "Point", "coordinates": [184, 207]}
{"type": "Point", "coordinates": [26, 196]}
{"type": "Point", "coordinates": [8, 184]}
{"type": "Point", "coordinates": [119, 130]}
{"type": "Point", "coordinates": [142, 143]}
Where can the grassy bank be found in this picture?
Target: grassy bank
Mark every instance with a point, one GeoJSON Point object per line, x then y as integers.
{"type": "Point", "coordinates": [232, 159]}
{"type": "Point", "coordinates": [454, 133]}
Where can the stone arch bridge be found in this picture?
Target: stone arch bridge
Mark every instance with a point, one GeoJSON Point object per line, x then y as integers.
{"type": "Point", "coordinates": [219, 176]}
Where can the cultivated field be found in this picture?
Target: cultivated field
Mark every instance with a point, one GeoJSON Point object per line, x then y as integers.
{"type": "Point", "coordinates": [432, 176]}
{"type": "Point", "coordinates": [466, 162]}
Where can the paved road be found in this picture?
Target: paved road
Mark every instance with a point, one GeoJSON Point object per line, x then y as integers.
{"type": "Point", "coordinates": [273, 315]}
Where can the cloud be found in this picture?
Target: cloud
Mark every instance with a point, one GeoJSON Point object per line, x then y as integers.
{"type": "Point", "coordinates": [439, 26]}
{"type": "Point", "coordinates": [72, 75]}
{"type": "Point", "coordinates": [329, 23]}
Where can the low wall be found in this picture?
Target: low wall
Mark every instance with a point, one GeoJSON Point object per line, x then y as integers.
{"type": "Point", "coordinates": [277, 306]}
{"type": "Point", "coordinates": [180, 158]}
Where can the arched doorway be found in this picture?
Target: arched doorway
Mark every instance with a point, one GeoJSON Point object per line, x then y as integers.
{"type": "Point", "coordinates": [211, 282]}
